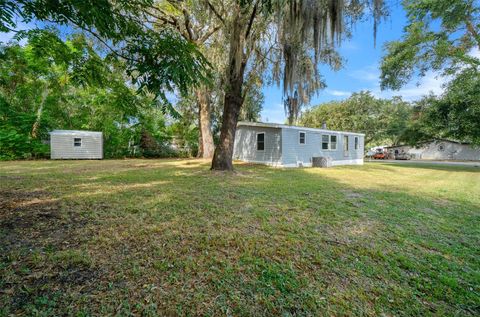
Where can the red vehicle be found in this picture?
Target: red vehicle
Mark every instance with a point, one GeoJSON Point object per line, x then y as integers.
{"type": "Point", "coordinates": [380, 155]}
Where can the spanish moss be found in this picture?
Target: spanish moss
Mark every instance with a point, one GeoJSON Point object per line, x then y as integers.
{"type": "Point", "coordinates": [309, 33]}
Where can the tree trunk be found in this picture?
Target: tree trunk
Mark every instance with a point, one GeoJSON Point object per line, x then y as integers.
{"type": "Point", "coordinates": [290, 119]}
{"type": "Point", "coordinates": [205, 139]}
{"type": "Point", "coordinates": [222, 159]}
{"type": "Point", "coordinates": [36, 124]}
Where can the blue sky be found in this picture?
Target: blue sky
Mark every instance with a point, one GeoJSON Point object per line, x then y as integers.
{"type": "Point", "coordinates": [361, 69]}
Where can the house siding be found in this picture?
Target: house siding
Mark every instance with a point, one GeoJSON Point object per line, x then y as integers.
{"type": "Point", "coordinates": [245, 147]}
{"type": "Point", "coordinates": [61, 146]}
{"type": "Point", "coordinates": [294, 153]}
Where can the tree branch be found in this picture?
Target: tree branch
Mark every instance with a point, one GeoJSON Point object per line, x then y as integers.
{"type": "Point", "coordinates": [215, 11]}
{"type": "Point", "coordinates": [99, 38]}
{"type": "Point", "coordinates": [188, 25]}
{"type": "Point", "coordinates": [209, 33]}
{"type": "Point", "coordinates": [252, 18]}
{"type": "Point", "coordinates": [471, 29]}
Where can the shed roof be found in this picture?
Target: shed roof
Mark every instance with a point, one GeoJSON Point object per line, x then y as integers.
{"type": "Point", "coordinates": [76, 132]}
{"type": "Point", "coordinates": [285, 126]}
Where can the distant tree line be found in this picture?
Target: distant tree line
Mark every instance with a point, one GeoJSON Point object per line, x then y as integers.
{"type": "Point", "coordinates": [382, 120]}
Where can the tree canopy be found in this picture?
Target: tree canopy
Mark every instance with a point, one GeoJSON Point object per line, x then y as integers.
{"type": "Point", "coordinates": [53, 84]}
{"type": "Point", "coordinates": [440, 36]}
{"type": "Point", "coordinates": [298, 35]}
{"type": "Point", "coordinates": [157, 60]}
{"type": "Point", "coordinates": [384, 121]}
{"type": "Point", "coordinates": [453, 115]}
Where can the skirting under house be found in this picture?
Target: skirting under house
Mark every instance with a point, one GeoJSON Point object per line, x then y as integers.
{"type": "Point", "coordinates": [291, 146]}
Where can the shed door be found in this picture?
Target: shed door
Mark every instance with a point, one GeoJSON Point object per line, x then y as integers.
{"type": "Point", "coordinates": [345, 145]}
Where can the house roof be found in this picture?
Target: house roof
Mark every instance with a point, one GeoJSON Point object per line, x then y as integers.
{"type": "Point", "coordinates": [75, 132]}
{"type": "Point", "coordinates": [284, 126]}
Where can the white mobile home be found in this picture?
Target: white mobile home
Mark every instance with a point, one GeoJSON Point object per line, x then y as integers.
{"type": "Point", "coordinates": [292, 146]}
{"type": "Point", "coordinates": [73, 144]}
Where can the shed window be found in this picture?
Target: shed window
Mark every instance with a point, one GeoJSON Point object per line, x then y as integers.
{"type": "Point", "coordinates": [302, 138]}
{"type": "Point", "coordinates": [356, 143]}
{"type": "Point", "coordinates": [260, 141]}
{"type": "Point", "coordinates": [77, 142]}
{"type": "Point", "coordinates": [333, 142]}
{"type": "Point", "coordinates": [325, 141]}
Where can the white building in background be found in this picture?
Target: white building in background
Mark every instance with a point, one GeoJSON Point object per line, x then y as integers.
{"type": "Point", "coordinates": [75, 144]}
{"type": "Point", "coordinates": [438, 150]}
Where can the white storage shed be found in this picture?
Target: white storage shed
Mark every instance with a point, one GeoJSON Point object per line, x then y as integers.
{"type": "Point", "coordinates": [74, 144]}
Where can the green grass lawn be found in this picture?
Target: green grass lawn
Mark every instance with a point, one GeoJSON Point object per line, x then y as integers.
{"type": "Point", "coordinates": [169, 237]}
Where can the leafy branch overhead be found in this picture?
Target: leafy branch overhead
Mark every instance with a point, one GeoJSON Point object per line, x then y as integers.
{"type": "Point", "coordinates": [440, 36]}
{"type": "Point", "coordinates": [158, 60]}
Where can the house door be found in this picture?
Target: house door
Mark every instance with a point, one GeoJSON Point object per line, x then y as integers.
{"type": "Point", "coordinates": [345, 145]}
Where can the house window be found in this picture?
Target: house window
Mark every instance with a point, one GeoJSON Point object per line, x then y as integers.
{"type": "Point", "coordinates": [77, 142]}
{"type": "Point", "coordinates": [345, 143]}
{"type": "Point", "coordinates": [260, 141]}
{"type": "Point", "coordinates": [302, 138]}
{"type": "Point", "coordinates": [325, 139]}
{"type": "Point", "coordinates": [356, 143]}
{"type": "Point", "coordinates": [333, 142]}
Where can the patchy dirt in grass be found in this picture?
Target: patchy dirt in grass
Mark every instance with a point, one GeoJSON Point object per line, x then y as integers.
{"type": "Point", "coordinates": [21, 209]}
{"type": "Point", "coordinates": [354, 198]}
{"type": "Point", "coordinates": [9, 177]}
{"type": "Point", "coordinates": [30, 218]}
{"type": "Point", "coordinates": [34, 228]}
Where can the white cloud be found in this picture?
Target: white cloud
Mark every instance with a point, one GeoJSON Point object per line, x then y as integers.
{"type": "Point", "coordinates": [349, 45]}
{"type": "Point", "coordinates": [475, 52]}
{"type": "Point", "coordinates": [6, 37]}
{"type": "Point", "coordinates": [431, 83]}
{"type": "Point", "coordinates": [338, 93]}
{"type": "Point", "coordinates": [369, 73]}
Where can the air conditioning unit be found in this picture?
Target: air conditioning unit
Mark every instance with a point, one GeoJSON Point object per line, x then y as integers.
{"type": "Point", "coordinates": [321, 161]}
